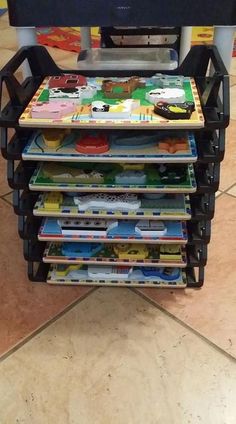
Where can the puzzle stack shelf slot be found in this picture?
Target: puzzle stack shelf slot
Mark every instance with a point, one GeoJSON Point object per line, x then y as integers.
{"type": "Point", "coordinates": [146, 230]}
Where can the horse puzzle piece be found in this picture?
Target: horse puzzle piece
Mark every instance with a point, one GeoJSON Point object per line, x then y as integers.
{"type": "Point", "coordinates": [81, 250]}
{"type": "Point", "coordinates": [113, 89]}
{"type": "Point", "coordinates": [109, 272]}
{"type": "Point", "coordinates": [133, 252]}
{"type": "Point", "coordinates": [174, 111]}
{"type": "Point", "coordinates": [173, 145]}
{"type": "Point", "coordinates": [67, 81]}
{"type": "Point", "coordinates": [103, 201]}
{"type": "Point", "coordinates": [168, 95]}
{"type": "Point", "coordinates": [53, 138]}
{"type": "Point", "coordinates": [55, 110]}
{"type": "Point", "coordinates": [91, 144]}
{"type": "Point", "coordinates": [121, 110]}
{"type": "Point", "coordinates": [168, 81]}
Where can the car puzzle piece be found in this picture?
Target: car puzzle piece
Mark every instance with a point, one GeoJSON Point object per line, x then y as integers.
{"type": "Point", "coordinates": [168, 274]}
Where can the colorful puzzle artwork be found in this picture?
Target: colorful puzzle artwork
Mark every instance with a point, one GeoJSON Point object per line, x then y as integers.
{"type": "Point", "coordinates": [170, 255]}
{"type": "Point", "coordinates": [97, 229]}
{"type": "Point", "coordinates": [130, 102]}
{"type": "Point", "coordinates": [103, 205]}
{"type": "Point", "coordinates": [110, 275]}
{"type": "Point", "coordinates": [131, 146]}
{"type": "Point", "coordinates": [175, 178]}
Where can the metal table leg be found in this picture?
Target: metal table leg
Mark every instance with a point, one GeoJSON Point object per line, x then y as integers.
{"type": "Point", "coordinates": [26, 37]}
{"type": "Point", "coordinates": [224, 40]}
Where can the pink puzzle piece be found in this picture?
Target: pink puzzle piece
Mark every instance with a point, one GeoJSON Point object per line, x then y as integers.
{"type": "Point", "coordinates": [55, 110]}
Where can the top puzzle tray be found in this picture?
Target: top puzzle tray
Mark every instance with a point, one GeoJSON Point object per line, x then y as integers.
{"type": "Point", "coordinates": [87, 110]}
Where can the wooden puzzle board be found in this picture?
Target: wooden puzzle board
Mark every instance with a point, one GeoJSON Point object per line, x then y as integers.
{"type": "Point", "coordinates": [160, 209]}
{"type": "Point", "coordinates": [141, 117]}
{"type": "Point", "coordinates": [176, 233]}
{"type": "Point", "coordinates": [150, 151]}
{"type": "Point", "coordinates": [42, 180]}
{"type": "Point", "coordinates": [83, 280]}
{"type": "Point", "coordinates": [107, 256]}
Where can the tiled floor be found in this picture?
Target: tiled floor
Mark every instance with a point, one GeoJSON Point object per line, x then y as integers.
{"type": "Point", "coordinates": [116, 357]}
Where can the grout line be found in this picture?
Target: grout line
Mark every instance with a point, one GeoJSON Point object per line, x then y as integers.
{"type": "Point", "coordinates": [6, 194]}
{"type": "Point", "coordinates": [41, 328]}
{"type": "Point", "coordinates": [6, 201]}
{"type": "Point", "coordinates": [230, 195]}
{"type": "Point", "coordinates": [183, 324]}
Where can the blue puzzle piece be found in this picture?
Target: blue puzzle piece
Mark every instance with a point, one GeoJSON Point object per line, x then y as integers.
{"type": "Point", "coordinates": [81, 250]}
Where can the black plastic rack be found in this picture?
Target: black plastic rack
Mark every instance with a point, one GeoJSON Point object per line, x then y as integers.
{"type": "Point", "coordinates": [213, 91]}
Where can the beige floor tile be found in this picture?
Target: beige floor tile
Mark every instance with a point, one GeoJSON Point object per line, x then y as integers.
{"type": "Point", "coordinates": [218, 193]}
{"type": "Point", "coordinates": [117, 359]}
{"type": "Point", "coordinates": [8, 198]}
{"type": "Point", "coordinates": [212, 310]}
{"type": "Point", "coordinates": [232, 80]}
{"type": "Point", "coordinates": [24, 306]}
{"type": "Point", "coordinates": [233, 102]}
{"type": "Point", "coordinates": [233, 66]}
{"type": "Point", "coordinates": [8, 39]}
{"type": "Point", "coordinates": [4, 187]}
{"type": "Point", "coordinates": [232, 191]}
{"type": "Point", "coordinates": [4, 21]}
{"type": "Point", "coordinates": [6, 55]}
{"type": "Point", "coordinates": [228, 166]}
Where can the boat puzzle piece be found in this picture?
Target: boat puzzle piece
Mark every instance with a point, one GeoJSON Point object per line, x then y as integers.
{"type": "Point", "coordinates": [54, 110]}
{"type": "Point", "coordinates": [67, 81]}
{"type": "Point", "coordinates": [92, 144]}
{"type": "Point", "coordinates": [114, 89]}
{"type": "Point", "coordinates": [168, 81]}
{"type": "Point", "coordinates": [121, 110]}
{"type": "Point", "coordinates": [104, 201]}
{"type": "Point", "coordinates": [168, 95]}
{"type": "Point", "coordinates": [174, 111]}
{"type": "Point", "coordinates": [81, 250]}
{"type": "Point", "coordinates": [53, 137]}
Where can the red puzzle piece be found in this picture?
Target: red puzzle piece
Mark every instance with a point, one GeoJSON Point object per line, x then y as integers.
{"type": "Point", "coordinates": [92, 144]}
